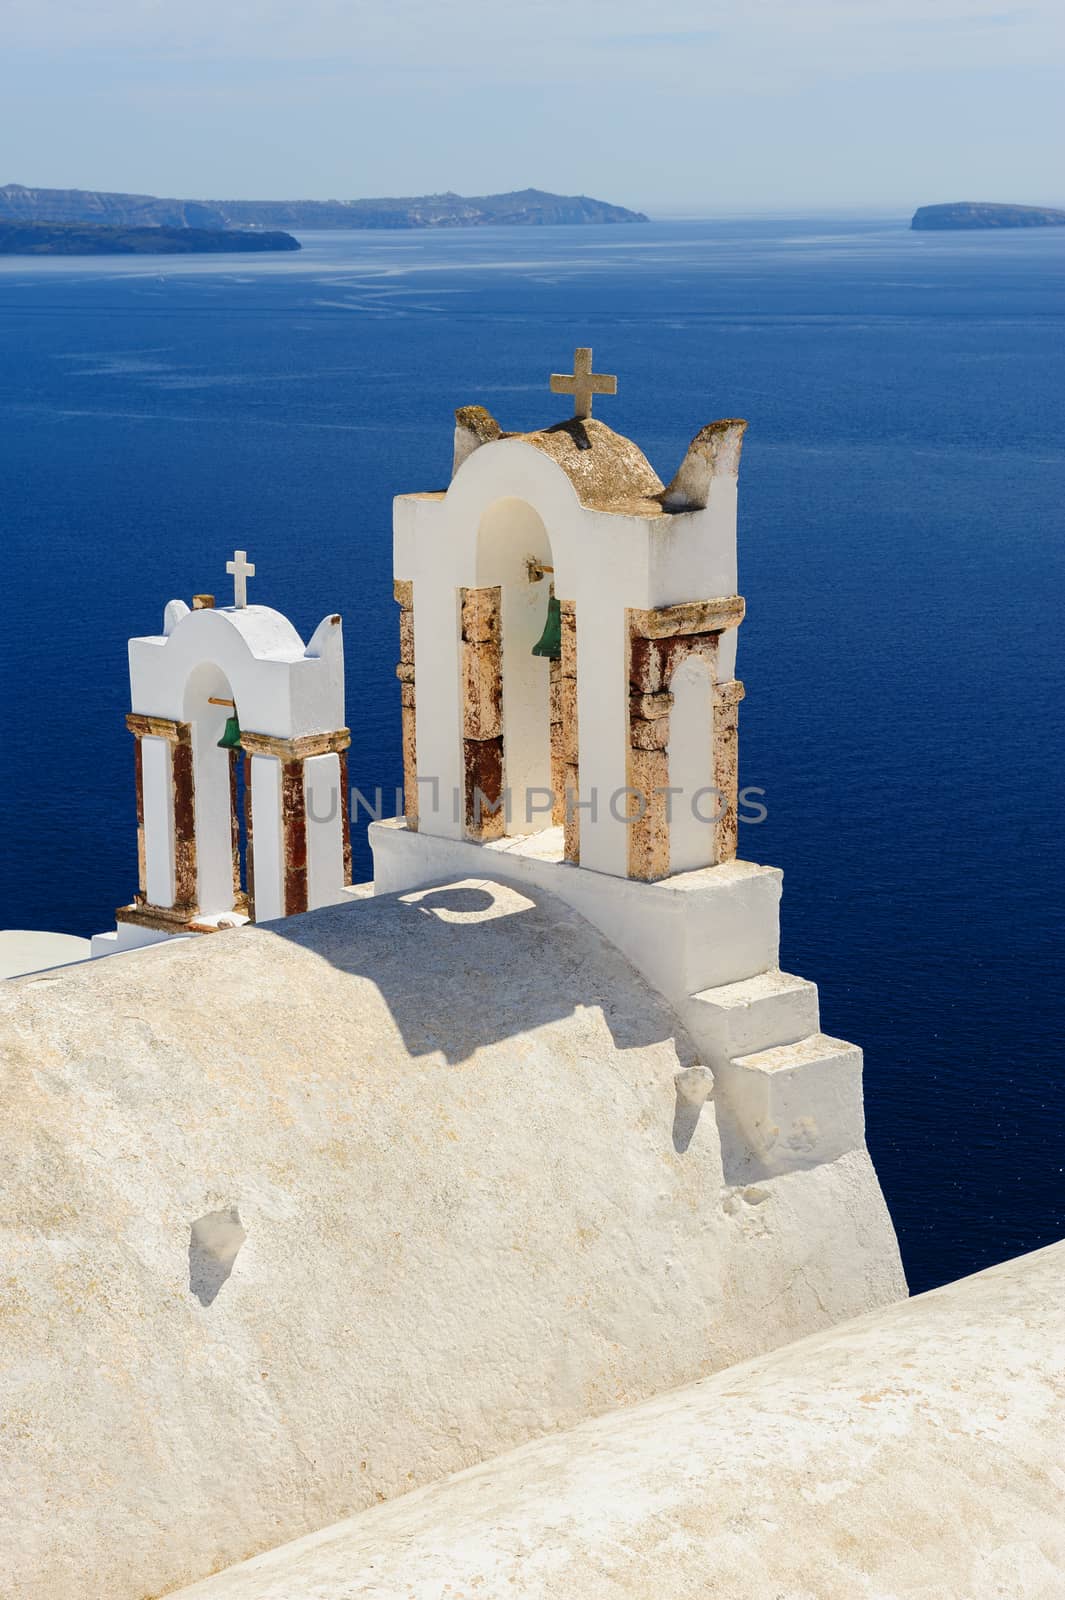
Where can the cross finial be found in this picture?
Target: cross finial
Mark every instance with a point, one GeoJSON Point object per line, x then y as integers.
{"type": "Point", "coordinates": [582, 383]}
{"type": "Point", "coordinates": [241, 570]}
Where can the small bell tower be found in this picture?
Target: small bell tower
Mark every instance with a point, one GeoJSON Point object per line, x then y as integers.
{"type": "Point", "coordinates": [241, 769]}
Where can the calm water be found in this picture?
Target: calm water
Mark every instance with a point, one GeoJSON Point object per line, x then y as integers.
{"type": "Point", "coordinates": [901, 554]}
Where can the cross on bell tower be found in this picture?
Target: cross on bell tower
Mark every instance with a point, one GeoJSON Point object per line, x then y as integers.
{"type": "Point", "coordinates": [582, 383]}
{"type": "Point", "coordinates": [240, 569]}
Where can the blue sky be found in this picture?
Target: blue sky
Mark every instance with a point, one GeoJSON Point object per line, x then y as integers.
{"type": "Point", "coordinates": [713, 107]}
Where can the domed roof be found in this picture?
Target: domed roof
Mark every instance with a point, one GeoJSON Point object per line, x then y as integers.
{"type": "Point", "coordinates": [608, 471]}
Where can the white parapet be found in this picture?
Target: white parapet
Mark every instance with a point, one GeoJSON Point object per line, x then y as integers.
{"type": "Point", "coordinates": [687, 933]}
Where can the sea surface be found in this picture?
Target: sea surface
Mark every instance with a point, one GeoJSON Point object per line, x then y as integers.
{"type": "Point", "coordinates": [902, 490]}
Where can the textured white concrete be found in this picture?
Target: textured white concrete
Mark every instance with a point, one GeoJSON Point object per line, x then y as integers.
{"type": "Point", "coordinates": [914, 1454]}
{"type": "Point", "coordinates": [25, 950]}
{"type": "Point", "coordinates": [299, 1218]}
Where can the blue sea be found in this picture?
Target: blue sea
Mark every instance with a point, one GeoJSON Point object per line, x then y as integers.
{"type": "Point", "coordinates": [901, 553]}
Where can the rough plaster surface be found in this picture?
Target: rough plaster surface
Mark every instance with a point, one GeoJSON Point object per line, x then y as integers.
{"type": "Point", "coordinates": [913, 1454]}
{"type": "Point", "coordinates": [299, 1218]}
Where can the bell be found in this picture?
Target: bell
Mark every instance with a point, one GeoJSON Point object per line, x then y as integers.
{"type": "Point", "coordinates": [230, 739]}
{"type": "Point", "coordinates": [550, 641]}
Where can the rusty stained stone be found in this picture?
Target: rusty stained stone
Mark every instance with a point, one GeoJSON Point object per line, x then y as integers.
{"type": "Point", "coordinates": [570, 739]}
{"type": "Point", "coordinates": [568, 609]}
{"type": "Point", "coordinates": [345, 814]}
{"type": "Point", "coordinates": [571, 818]}
{"type": "Point", "coordinates": [299, 749]}
{"type": "Point", "coordinates": [249, 839]}
{"type": "Point", "coordinates": [234, 831]}
{"type": "Point", "coordinates": [403, 591]}
{"type": "Point", "coordinates": [648, 771]}
{"type": "Point", "coordinates": [645, 666]}
{"type": "Point", "coordinates": [646, 707]}
{"type": "Point", "coordinates": [673, 651]}
{"type": "Point", "coordinates": [726, 767]}
{"type": "Point", "coordinates": [649, 735]}
{"type": "Point", "coordinates": [146, 727]}
{"type": "Point", "coordinates": [484, 774]}
{"type": "Point", "coordinates": [482, 699]}
{"type": "Point", "coordinates": [691, 617]}
{"type": "Point", "coordinates": [406, 637]}
{"type": "Point", "coordinates": [294, 830]}
{"type": "Point", "coordinates": [183, 790]}
{"type": "Point", "coordinates": [410, 761]}
{"type": "Point", "coordinates": [203, 602]}
{"type": "Point", "coordinates": [568, 781]}
{"type": "Point", "coordinates": [405, 672]}
{"type": "Point", "coordinates": [557, 744]}
{"type": "Point", "coordinates": [481, 615]}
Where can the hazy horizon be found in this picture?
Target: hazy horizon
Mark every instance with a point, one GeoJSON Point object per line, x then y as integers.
{"type": "Point", "coordinates": [876, 105]}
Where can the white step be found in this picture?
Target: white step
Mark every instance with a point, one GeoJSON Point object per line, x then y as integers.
{"type": "Point", "coordinates": [737, 1019]}
{"type": "Point", "coordinates": [796, 1105]}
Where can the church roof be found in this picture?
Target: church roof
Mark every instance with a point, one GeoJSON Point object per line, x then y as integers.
{"type": "Point", "coordinates": [913, 1452]}
{"type": "Point", "coordinates": [304, 1215]}
{"type": "Point", "coordinates": [608, 471]}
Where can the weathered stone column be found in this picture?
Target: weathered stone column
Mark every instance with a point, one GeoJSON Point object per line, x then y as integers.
{"type": "Point", "coordinates": [658, 641]}
{"type": "Point", "coordinates": [279, 825]}
{"type": "Point", "coordinates": [166, 832]}
{"type": "Point", "coordinates": [482, 712]}
{"type": "Point", "coordinates": [404, 593]}
{"type": "Point", "coordinates": [565, 766]}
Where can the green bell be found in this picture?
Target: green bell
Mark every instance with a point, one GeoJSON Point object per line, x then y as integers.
{"type": "Point", "coordinates": [230, 739]}
{"type": "Point", "coordinates": [550, 641]}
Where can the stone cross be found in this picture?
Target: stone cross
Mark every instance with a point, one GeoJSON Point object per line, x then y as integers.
{"type": "Point", "coordinates": [241, 569]}
{"type": "Point", "coordinates": [582, 383]}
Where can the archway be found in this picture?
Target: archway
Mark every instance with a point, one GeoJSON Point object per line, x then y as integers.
{"type": "Point", "coordinates": [514, 554]}
{"type": "Point", "coordinates": [218, 782]}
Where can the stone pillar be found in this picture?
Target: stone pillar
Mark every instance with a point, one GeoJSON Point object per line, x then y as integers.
{"type": "Point", "coordinates": [279, 825]}
{"type": "Point", "coordinates": [482, 712]}
{"type": "Point", "coordinates": [166, 831]}
{"type": "Point", "coordinates": [404, 593]}
{"type": "Point", "coordinates": [565, 768]}
{"type": "Point", "coordinates": [727, 697]}
{"type": "Point", "coordinates": [658, 641]}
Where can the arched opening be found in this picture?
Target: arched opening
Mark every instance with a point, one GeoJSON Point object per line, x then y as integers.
{"type": "Point", "coordinates": [218, 778]}
{"type": "Point", "coordinates": [696, 805]}
{"type": "Point", "coordinates": [512, 547]}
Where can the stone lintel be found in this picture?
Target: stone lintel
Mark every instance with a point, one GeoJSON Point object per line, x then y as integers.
{"type": "Point", "coordinates": [299, 749]}
{"type": "Point", "coordinates": [143, 726]}
{"type": "Point", "coordinates": [693, 616]}
{"type": "Point", "coordinates": [162, 919]}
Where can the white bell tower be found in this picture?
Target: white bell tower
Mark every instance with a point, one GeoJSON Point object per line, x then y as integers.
{"type": "Point", "coordinates": [241, 769]}
{"type": "Point", "coordinates": [596, 756]}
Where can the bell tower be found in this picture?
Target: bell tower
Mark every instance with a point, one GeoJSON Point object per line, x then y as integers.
{"type": "Point", "coordinates": [568, 629]}
{"type": "Point", "coordinates": [241, 769]}
{"type": "Point", "coordinates": [568, 643]}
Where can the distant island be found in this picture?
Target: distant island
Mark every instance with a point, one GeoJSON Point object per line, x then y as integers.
{"type": "Point", "coordinates": [522, 208]}
{"type": "Point", "coordinates": [90, 239]}
{"type": "Point", "coordinates": [984, 214]}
